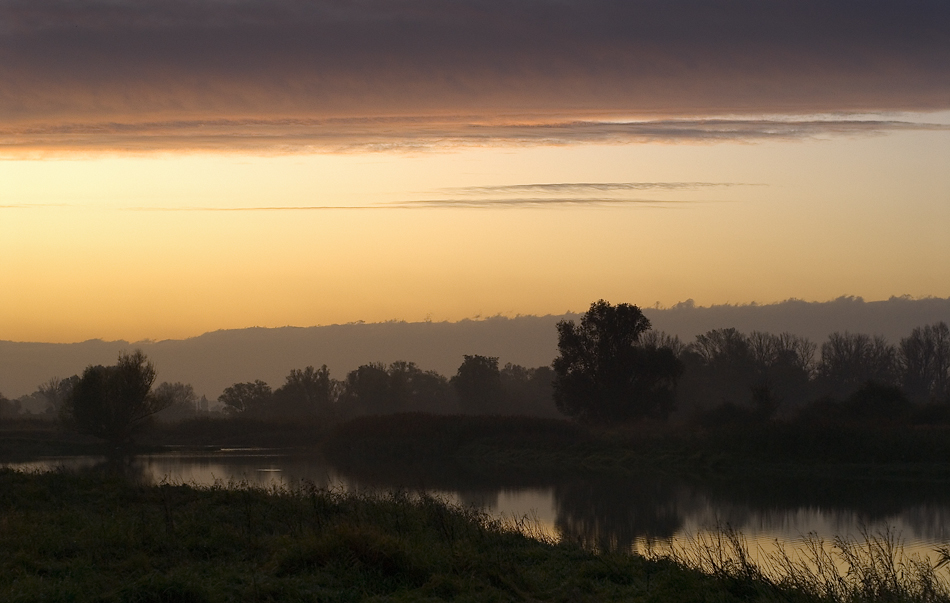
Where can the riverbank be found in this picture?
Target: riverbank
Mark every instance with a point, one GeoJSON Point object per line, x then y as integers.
{"type": "Point", "coordinates": [73, 537]}
{"type": "Point", "coordinates": [525, 450]}
{"type": "Point", "coordinates": [529, 448]}
{"type": "Point", "coordinates": [29, 439]}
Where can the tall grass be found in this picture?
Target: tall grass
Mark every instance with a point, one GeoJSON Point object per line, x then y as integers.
{"type": "Point", "coordinates": [97, 538]}
{"type": "Point", "coordinates": [871, 568]}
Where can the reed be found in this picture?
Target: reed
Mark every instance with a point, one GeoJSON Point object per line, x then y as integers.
{"type": "Point", "coordinates": [872, 567]}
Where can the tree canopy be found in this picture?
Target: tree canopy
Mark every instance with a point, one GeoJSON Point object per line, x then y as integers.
{"type": "Point", "coordinates": [111, 402]}
{"type": "Point", "coordinates": [478, 384]}
{"type": "Point", "coordinates": [250, 399]}
{"type": "Point", "coordinates": [605, 373]}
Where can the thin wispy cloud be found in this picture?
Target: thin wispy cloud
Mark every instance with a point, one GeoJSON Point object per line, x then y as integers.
{"type": "Point", "coordinates": [463, 203]}
{"type": "Point", "coordinates": [533, 202]}
{"type": "Point", "coordinates": [576, 187]}
{"type": "Point", "coordinates": [475, 201]}
{"type": "Point", "coordinates": [416, 134]}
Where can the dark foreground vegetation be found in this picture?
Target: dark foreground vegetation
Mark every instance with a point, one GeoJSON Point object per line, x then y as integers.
{"type": "Point", "coordinates": [99, 538]}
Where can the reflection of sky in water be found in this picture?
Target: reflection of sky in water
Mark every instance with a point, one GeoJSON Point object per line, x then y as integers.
{"type": "Point", "coordinates": [920, 529]}
{"type": "Point", "coordinates": [920, 526]}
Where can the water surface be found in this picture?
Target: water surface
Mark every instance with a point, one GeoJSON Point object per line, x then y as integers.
{"type": "Point", "coordinates": [649, 510]}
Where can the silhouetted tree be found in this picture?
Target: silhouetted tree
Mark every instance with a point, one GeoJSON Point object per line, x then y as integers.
{"type": "Point", "coordinates": [111, 402]}
{"type": "Point", "coordinates": [367, 390]}
{"type": "Point", "coordinates": [604, 373]}
{"type": "Point", "coordinates": [403, 387]}
{"type": "Point", "coordinates": [783, 367]}
{"type": "Point", "coordinates": [660, 339]}
{"type": "Point", "coordinates": [722, 362]}
{"type": "Point", "coordinates": [413, 389]}
{"type": "Point", "coordinates": [924, 359]}
{"type": "Point", "coordinates": [9, 408]}
{"type": "Point", "coordinates": [306, 392]}
{"type": "Point", "coordinates": [248, 399]}
{"type": "Point", "coordinates": [848, 361]}
{"type": "Point", "coordinates": [401, 384]}
{"type": "Point", "coordinates": [478, 385]}
{"type": "Point", "coordinates": [55, 391]}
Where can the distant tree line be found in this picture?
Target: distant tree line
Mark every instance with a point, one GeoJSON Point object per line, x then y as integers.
{"type": "Point", "coordinates": [479, 387]}
{"type": "Point", "coordinates": [781, 374]}
{"type": "Point", "coordinates": [611, 368]}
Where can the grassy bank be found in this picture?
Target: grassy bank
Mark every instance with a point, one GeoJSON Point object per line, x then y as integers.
{"type": "Point", "coordinates": [94, 538]}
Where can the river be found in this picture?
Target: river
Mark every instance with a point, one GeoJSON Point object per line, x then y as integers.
{"type": "Point", "coordinates": [638, 512]}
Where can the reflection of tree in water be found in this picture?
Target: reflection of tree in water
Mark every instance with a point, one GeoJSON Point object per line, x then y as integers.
{"type": "Point", "coordinates": [930, 521]}
{"type": "Point", "coordinates": [771, 503]}
{"type": "Point", "coordinates": [123, 466]}
{"type": "Point", "coordinates": [869, 499]}
{"type": "Point", "coordinates": [611, 514]}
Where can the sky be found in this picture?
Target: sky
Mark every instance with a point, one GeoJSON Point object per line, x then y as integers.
{"type": "Point", "coordinates": [173, 167]}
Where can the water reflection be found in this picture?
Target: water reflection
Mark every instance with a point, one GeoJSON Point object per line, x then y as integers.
{"type": "Point", "coordinates": [610, 514]}
{"type": "Point", "coordinates": [614, 514]}
{"type": "Point", "coordinates": [604, 513]}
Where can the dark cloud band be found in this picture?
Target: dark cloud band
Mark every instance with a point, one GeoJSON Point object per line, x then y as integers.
{"type": "Point", "coordinates": [132, 61]}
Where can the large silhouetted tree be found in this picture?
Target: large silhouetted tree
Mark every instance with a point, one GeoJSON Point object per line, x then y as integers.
{"type": "Point", "coordinates": [110, 402]}
{"type": "Point", "coordinates": [605, 373]}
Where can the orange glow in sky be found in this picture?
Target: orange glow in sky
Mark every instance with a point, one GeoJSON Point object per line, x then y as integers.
{"type": "Point", "coordinates": [138, 247]}
{"type": "Point", "coordinates": [168, 169]}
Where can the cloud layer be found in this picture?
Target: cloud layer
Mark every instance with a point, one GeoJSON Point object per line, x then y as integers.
{"type": "Point", "coordinates": [147, 73]}
{"type": "Point", "coordinates": [413, 134]}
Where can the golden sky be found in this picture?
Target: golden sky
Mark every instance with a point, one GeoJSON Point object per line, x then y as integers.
{"type": "Point", "coordinates": [173, 168]}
